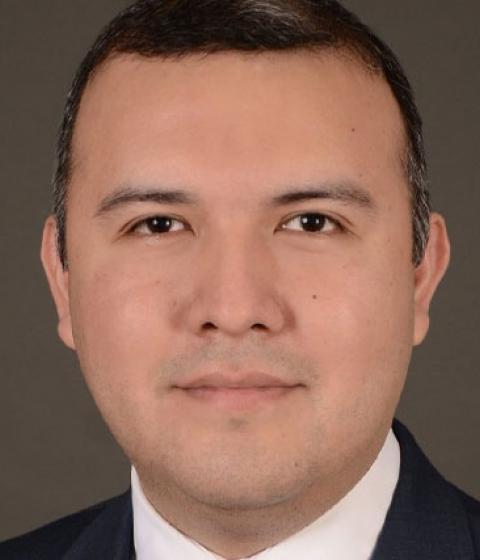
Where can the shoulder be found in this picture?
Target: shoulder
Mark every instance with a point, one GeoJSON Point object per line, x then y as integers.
{"type": "Point", "coordinates": [472, 508]}
{"type": "Point", "coordinates": [56, 538]}
{"type": "Point", "coordinates": [429, 517]}
{"type": "Point", "coordinates": [421, 476]}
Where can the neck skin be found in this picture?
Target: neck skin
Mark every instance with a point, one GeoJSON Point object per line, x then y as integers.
{"type": "Point", "coordinates": [234, 533]}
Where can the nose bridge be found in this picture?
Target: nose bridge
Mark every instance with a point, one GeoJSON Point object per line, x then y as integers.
{"type": "Point", "coordinates": [235, 289]}
{"type": "Point", "coordinates": [238, 266]}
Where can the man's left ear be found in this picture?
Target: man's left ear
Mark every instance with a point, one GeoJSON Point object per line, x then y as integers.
{"type": "Point", "coordinates": [429, 273]}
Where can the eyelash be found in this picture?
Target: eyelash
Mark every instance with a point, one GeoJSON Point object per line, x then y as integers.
{"type": "Point", "coordinates": [327, 219]}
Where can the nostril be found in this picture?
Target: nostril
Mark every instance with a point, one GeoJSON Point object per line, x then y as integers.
{"type": "Point", "coordinates": [209, 326]}
{"type": "Point", "coordinates": [259, 327]}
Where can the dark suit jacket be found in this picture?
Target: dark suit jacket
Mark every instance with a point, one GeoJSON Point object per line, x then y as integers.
{"type": "Point", "coordinates": [429, 519]}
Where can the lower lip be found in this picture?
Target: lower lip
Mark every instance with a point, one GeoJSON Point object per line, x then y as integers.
{"type": "Point", "coordinates": [238, 398]}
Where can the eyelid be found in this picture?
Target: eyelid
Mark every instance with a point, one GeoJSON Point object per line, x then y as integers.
{"type": "Point", "coordinates": [132, 227]}
{"type": "Point", "coordinates": [335, 221]}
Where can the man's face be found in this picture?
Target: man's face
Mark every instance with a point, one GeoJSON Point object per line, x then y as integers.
{"type": "Point", "coordinates": [234, 280]}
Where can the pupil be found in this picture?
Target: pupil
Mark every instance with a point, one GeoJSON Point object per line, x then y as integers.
{"type": "Point", "coordinates": [160, 225]}
{"type": "Point", "coordinates": [313, 222]}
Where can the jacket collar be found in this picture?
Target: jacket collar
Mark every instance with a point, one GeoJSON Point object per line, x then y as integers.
{"type": "Point", "coordinates": [109, 536]}
{"type": "Point", "coordinates": [426, 519]}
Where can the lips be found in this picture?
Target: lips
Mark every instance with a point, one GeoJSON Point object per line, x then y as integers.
{"type": "Point", "coordinates": [250, 380]}
{"type": "Point", "coordinates": [238, 392]}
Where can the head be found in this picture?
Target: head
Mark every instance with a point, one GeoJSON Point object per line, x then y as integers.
{"type": "Point", "coordinates": [241, 190]}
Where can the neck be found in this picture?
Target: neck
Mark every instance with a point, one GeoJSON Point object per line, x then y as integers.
{"type": "Point", "coordinates": [235, 533]}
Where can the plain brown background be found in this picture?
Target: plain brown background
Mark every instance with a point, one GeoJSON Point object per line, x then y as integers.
{"type": "Point", "coordinates": [56, 454]}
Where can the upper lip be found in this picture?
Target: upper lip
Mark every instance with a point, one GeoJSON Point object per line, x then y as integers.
{"type": "Point", "coordinates": [237, 380]}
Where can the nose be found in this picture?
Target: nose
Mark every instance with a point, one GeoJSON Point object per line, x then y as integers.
{"type": "Point", "coordinates": [234, 290]}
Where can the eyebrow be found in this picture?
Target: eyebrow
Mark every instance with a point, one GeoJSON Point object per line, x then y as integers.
{"type": "Point", "coordinates": [129, 195]}
{"type": "Point", "coordinates": [347, 193]}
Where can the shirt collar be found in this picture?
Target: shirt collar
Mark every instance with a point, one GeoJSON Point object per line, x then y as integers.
{"type": "Point", "coordinates": [349, 530]}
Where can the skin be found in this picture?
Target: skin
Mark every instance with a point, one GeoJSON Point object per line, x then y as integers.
{"type": "Point", "coordinates": [239, 285]}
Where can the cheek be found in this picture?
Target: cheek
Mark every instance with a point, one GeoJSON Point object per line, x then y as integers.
{"type": "Point", "coordinates": [119, 328]}
{"type": "Point", "coordinates": [358, 329]}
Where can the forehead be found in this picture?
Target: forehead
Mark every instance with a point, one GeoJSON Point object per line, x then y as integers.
{"type": "Point", "coordinates": [236, 117]}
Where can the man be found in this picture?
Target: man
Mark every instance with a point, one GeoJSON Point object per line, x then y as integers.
{"type": "Point", "coordinates": [243, 255]}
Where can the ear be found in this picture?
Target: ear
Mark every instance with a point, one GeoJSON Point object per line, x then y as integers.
{"type": "Point", "coordinates": [57, 280]}
{"type": "Point", "coordinates": [429, 273]}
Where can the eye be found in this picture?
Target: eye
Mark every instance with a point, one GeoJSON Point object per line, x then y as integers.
{"type": "Point", "coordinates": [313, 223]}
{"type": "Point", "coordinates": [157, 225]}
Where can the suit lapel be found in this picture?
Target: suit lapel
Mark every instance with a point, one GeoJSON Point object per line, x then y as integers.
{"type": "Point", "coordinates": [427, 519]}
{"type": "Point", "coordinates": [110, 535]}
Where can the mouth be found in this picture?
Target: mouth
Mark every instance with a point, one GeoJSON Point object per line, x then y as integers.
{"type": "Point", "coordinates": [238, 392]}
{"type": "Point", "coordinates": [239, 398]}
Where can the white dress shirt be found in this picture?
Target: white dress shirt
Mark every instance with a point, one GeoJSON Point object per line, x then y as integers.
{"type": "Point", "coordinates": [348, 531]}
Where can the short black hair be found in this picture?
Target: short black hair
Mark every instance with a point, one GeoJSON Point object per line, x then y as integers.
{"type": "Point", "coordinates": [175, 28]}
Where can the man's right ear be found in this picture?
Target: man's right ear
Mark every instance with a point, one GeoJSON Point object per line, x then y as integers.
{"type": "Point", "coordinates": [57, 280]}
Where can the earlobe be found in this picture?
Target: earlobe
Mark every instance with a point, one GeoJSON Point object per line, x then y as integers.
{"type": "Point", "coordinates": [429, 273]}
{"type": "Point", "coordinates": [58, 280]}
